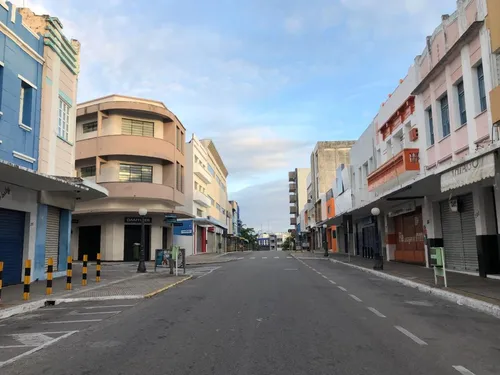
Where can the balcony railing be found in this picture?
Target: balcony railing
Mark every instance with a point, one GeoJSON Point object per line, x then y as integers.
{"type": "Point", "coordinates": [202, 173]}
{"type": "Point", "coordinates": [406, 163]}
{"type": "Point", "coordinates": [201, 199]}
{"type": "Point", "coordinates": [293, 198]}
{"type": "Point", "coordinates": [292, 188]}
{"type": "Point", "coordinates": [292, 176]}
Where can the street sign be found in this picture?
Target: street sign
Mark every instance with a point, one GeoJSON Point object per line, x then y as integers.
{"type": "Point", "coordinates": [177, 224]}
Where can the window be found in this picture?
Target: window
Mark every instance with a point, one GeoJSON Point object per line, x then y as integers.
{"type": "Point", "coordinates": [25, 103]}
{"type": "Point", "coordinates": [218, 207]}
{"type": "Point", "coordinates": [482, 90]}
{"type": "Point", "coordinates": [87, 171]}
{"type": "Point", "coordinates": [196, 159]}
{"type": "Point", "coordinates": [182, 179]}
{"type": "Point", "coordinates": [445, 116]}
{"type": "Point", "coordinates": [199, 212]}
{"type": "Point", "coordinates": [430, 125]}
{"type": "Point", "coordinates": [212, 201]}
{"type": "Point", "coordinates": [136, 173]}
{"type": "Point", "coordinates": [461, 103]}
{"type": "Point", "coordinates": [138, 127]}
{"type": "Point", "coordinates": [178, 138]}
{"type": "Point", "coordinates": [183, 141]}
{"type": "Point", "coordinates": [211, 170]}
{"type": "Point", "coordinates": [90, 127]}
{"type": "Point", "coordinates": [1, 83]}
{"type": "Point", "coordinates": [63, 126]}
{"type": "Point", "coordinates": [178, 177]}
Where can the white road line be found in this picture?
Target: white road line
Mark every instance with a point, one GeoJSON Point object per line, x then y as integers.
{"type": "Point", "coordinates": [463, 370]}
{"type": "Point", "coordinates": [73, 321]}
{"type": "Point", "coordinates": [264, 257]}
{"type": "Point", "coordinates": [276, 257]}
{"type": "Point", "coordinates": [376, 312]}
{"type": "Point", "coordinates": [342, 288]}
{"type": "Point", "coordinates": [32, 339]}
{"type": "Point", "coordinates": [333, 282]}
{"type": "Point", "coordinates": [355, 298]}
{"type": "Point", "coordinates": [410, 335]}
{"type": "Point", "coordinates": [53, 308]}
{"type": "Point", "coordinates": [29, 352]}
{"type": "Point", "coordinates": [13, 347]}
{"type": "Point", "coordinates": [324, 277]}
{"type": "Point", "coordinates": [106, 307]}
{"type": "Point", "coordinates": [94, 312]}
{"type": "Point", "coordinates": [252, 257]}
{"type": "Point", "coordinates": [288, 257]}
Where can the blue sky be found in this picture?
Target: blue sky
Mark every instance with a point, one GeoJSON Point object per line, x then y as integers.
{"type": "Point", "coordinates": [265, 79]}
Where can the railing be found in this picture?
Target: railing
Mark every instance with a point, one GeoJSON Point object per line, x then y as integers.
{"type": "Point", "coordinates": [405, 161]}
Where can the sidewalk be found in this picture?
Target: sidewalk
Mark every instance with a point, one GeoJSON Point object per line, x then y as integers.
{"type": "Point", "coordinates": [210, 258]}
{"type": "Point", "coordinates": [118, 281]}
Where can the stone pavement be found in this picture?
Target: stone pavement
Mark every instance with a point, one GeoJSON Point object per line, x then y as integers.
{"type": "Point", "coordinates": [487, 290]}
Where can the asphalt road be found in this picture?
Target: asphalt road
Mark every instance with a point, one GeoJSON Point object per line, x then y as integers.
{"type": "Point", "coordinates": [266, 315]}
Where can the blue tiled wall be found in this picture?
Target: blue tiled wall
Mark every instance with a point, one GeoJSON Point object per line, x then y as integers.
{"type": "Point", "coordinates": [18, 62]}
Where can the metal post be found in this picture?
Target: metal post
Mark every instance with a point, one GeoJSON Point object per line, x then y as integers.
{"type": "Point", "coordinates": [142, 263]}
{"type": "Point", "coordinates": [69, 273]}
{"type": "Point", "coordinates": [98, 268]}
{"type": "Point", "coordinates": [27, 280]}
{"type": "Point", "coordinates": [50, 270]}
{"type": "Point", "coordinates": [84, 269]}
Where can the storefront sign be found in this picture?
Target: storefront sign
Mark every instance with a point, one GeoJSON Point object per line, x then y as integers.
{"type": "Point", "coordinates": [472, 171]}
{"type": "Point", "coordinates": [402, 209]}
{"type": "Point", "coordinates": [186, 229]}
{"type": "Point", "coordinates": [137, 220]}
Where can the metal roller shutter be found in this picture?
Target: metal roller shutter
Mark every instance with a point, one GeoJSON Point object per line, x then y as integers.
{"type": "Point", "coordinates": [452, 237]}
{"type": "Point", "coordinates": [469, 233]}
{"type": "Point", "coordinates": [11, 245]}
{"type": "Point", "coordinates": [52, 237]}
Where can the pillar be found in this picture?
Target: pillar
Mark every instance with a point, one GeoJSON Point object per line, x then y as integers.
{"type": "Point", "coordinates": [64, 239]}
{"type": "Point", "coordinates": [390, 238]}
{"type": "Point", "coordinates": [41, 233]}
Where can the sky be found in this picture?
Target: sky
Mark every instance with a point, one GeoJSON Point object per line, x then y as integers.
{"type": "Point", "coordinates": [265, 79]}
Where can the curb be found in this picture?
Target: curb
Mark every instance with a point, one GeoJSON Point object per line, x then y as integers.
{"type": "Point", "coordinates": [152, 294]}
{"type": "Point", "coordinates": [472, 303]}
{"type": "Point", "coordinates": [21, 309]}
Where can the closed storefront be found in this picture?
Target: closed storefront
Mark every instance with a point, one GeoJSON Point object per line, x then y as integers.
{"type": "Point", "coordinates": [211, 240]}
{"type": "Point", "coordinates": [52, 236]}
{"type": "Point", "coordinates": [89, 242]}
{"type": "Point", "coordinates": [11, 245]}
{"type": "Point", "coordinates": [410, 237]}
{"type": "Point", "coordinates": [366, 237]}
{"type": "Point", "coordinates": [200, 241]}
{"type": "Point", "coordinates": [459, 233]}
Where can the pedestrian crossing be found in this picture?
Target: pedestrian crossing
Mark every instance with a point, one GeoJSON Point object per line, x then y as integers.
{"type": "Point", "coordinates": [265, 258]}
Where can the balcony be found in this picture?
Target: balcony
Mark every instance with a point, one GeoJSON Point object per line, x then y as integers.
{"type": "Point", "coordinates": [202, 173]}
{"type": "Point", "coordinates": [293, 221]}
{"type": "Point", "coordinates": [398, 169]}
{"type": "Point", "coordinates": [141, 190]}
{"type": "Point", "coordinates": [292, 176]}
{"type": "Point", "coordinates": [201, 199]}
{"type": "Point", "coordinates": [293, 198]}
{"type": "Point", "coordinates": [292, 188]}
{"type": "Point", "coordinates": [293, 210]}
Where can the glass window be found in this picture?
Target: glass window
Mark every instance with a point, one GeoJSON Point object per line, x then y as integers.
{"type": "Point", "coordinates": [445, 116]}
{"type": "Point", "coordinates": [25, 103]}
{"type": "Point", "coordinates": [430, 125]}
{"type": "Point", "coordinates": [136, 173]}
{"type": "Point", "coordinates": [482, 90]}
{"type": "Point", "coordinates": [88, 171]}
{"type": "Point", "coordinates": [90, 127]}
{"type": "Point", "coordinates": [212, 201]}
{"type": "Point", "coordinates": [138, 127]}
{"type": "Point", "coordinates": [199, 212]}
{"type": "Point", "coordinates": [461, 103]}
{"type": "Point", "coordinates": [63, 127]}
{"type": "Point", "coordinates": [211, 170]}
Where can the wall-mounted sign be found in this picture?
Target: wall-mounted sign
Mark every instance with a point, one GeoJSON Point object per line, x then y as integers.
{"type": "Point", "coordinates": [184, 229]}
{"type": "Point", "coordinates": [170, 218]}
{"type": "Point", "coordinates": [137, 220]}
{"type": "Point", "coordinates": [469, 172]}
{"type": "Point", "coordinates": [402, 209]}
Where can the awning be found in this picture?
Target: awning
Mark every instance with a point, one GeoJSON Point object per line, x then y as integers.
{"type": "Point", "coordinates": [83, 190]}
{"type": "Point", "coordinates": [208, 222]}
{"type": "Point", "coordinates": [469, 172]}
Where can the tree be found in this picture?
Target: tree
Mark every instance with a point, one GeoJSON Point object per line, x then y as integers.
{"type": "Point", "coordinates": [250, 235]}
{"type": "Point", "coordinates": [288, 244]}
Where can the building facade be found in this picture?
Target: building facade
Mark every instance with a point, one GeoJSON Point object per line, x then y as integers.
{"type": "Point", "coordinates": [135, 148]}
{"type": "Point", "coordinates": [298, 198]}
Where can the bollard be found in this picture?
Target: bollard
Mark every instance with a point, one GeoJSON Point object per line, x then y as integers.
{"type": "Point", "coordinates": [98, 268]}
{"type": "Point", "coordinates": [1, 271]}
{"type": "Point", "coordinates": [84, 270]}
{"type": "Point", "coordinates": [27, 279]}
{"type": "Point", "coordinates": [69, 273]}
{"type": "Point", "coordinates": [50, 270]}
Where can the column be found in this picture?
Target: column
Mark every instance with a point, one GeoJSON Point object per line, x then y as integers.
{"type": "Point", "coordinates": [64, 239]}
{"type": "Point", "coordinates": [431, 215]}
{"type": "Point", "coordinates": [390, 238]}
{"type": "Point", "coordinates": [41, 232]}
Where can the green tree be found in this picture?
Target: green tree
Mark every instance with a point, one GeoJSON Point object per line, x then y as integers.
{"type": "Point", "coordinates": [288, 244]}
{"type": "Point", "coordinates": [250, 235]}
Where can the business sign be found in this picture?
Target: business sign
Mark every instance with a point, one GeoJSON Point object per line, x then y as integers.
{"type": "Point", "coordinates": [185, 229]}
{"type": "Point", "coordinates": [137, 220]}
{"type": "Point", "coordinates": [170, 218]}
{"type": "Point", "coordinates": [467, 173]}
{"type": "Point", "coordinates": [402, 209]}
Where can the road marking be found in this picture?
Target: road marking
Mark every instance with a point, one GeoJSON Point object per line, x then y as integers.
{"type": "Point", "coordinates": [106, 306]}
{"type": "Point", "coordinates": [342, 288]}
{"type": "Point", "coordinates": [53, 308]}
{"type": "Point", "coordinates": [29, 352]}
{"type": "Point", "coordinates": [276, 257]}
{"type": "Point", "coordinates": [291, 269]}
{"type": "Point", "coordinates": [11, 347]}
{"type": "Point", "coordinates": [73, 321]}
{"type": "Point", "coordinates": [355, 298]}
{"type": "Point", "coordinates": [463, 370]}
{"type": "Point", "coordinates": [410, 335]}
{"type": "Point", "coordinates": [376, 312]}
{"type": "Point", "coordinates": [288, 257]}
{"type": "Point", "coordinates": [32, 339]}
{"type": "Point", "coordinates": [252, 257]}
{"type": "Point", "coordinates": [324, 277]}
{"type": "Point", "coordinates": [264, 257]}
{"type": "Point", "coordinates": [333, 282]}
{"type": "Point", "coordinates": [94, 312]}
{"type": "Point", "coordinates": [240, 258]}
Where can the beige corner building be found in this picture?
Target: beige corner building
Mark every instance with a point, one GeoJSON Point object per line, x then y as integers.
{"type": "Point", "coordinates": [135, 149]}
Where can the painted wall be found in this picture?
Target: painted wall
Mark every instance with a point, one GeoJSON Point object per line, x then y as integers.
{"type": "Point", "coordinates": [21, 56]}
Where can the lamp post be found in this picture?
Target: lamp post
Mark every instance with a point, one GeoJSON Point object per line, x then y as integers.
{"type": "Point", "coordinates": [325, 242]}
{"type": "Point", "coordinates": [142, 257]}
{"type": "Point", "coordinates": [379, 264]}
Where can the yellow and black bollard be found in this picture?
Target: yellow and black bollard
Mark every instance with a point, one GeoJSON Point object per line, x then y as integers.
{"type": "Point", "coordinates": [27, 280]}
{"type": "Point", "coordinates": [84, 270]}
{"type": "Point", "coordinates": [50, 270]}
{"type": "Point", "coordinates": [1, 272]}
{"type": "Point", "coordinates": [98, 268]}
{"type": "Point", "coordinates": [69, 273]}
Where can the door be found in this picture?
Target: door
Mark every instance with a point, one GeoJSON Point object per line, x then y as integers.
{"type": "Point", "coordinates": [132, 236]}
{"type": "Point", "coordinates": [11, 245]}
{"type": "Point", "coordinates": [199, 239]}
{"type": "Point", "coordinates": [410, 238]}
{"type": "Point", "coordinates": [164, 242]}
{"type": "Point", "coordinates": [210, 242]}
{"type": "Point", "coordinates": [89, 242]}
{"type": "Point", "coordinates": [52, 236]}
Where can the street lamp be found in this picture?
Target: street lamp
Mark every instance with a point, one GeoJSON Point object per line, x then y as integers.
{"type": "Point", "coordinates": [142, 257]}
{"type": "Point", "coordinates": [379, 264]}
{"type": "Point", "coordinates": [325, 242]}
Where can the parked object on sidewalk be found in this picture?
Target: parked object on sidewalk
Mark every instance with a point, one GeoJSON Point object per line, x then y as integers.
{"type": "Point", "coordinates": [438, 263]}
{"type": "Point", "coordinates": [98, 268]}
{"type": "Point", "coordinates": [69, 273]}
{"type": "Point", "coordinates": [84, 269]}
{"type": "Point", "coordinates": [50, 270]}
{"type": "Point", "coordinates": [27, 279]}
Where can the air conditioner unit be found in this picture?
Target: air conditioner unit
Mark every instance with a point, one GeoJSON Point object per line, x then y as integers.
{"type": "Point", "coordinates": [414, 135]}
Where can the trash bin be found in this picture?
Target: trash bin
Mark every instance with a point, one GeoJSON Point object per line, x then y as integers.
{"type": "Point", "coordinates": [136, 251]}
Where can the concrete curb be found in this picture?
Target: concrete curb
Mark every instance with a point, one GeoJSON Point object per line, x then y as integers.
{"type": "Point", "coordinates": [472, 303]}
{"type": "Point", "coordinates": [152, 294]}
{"type": "Point", "coordinates": [21, 309]}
